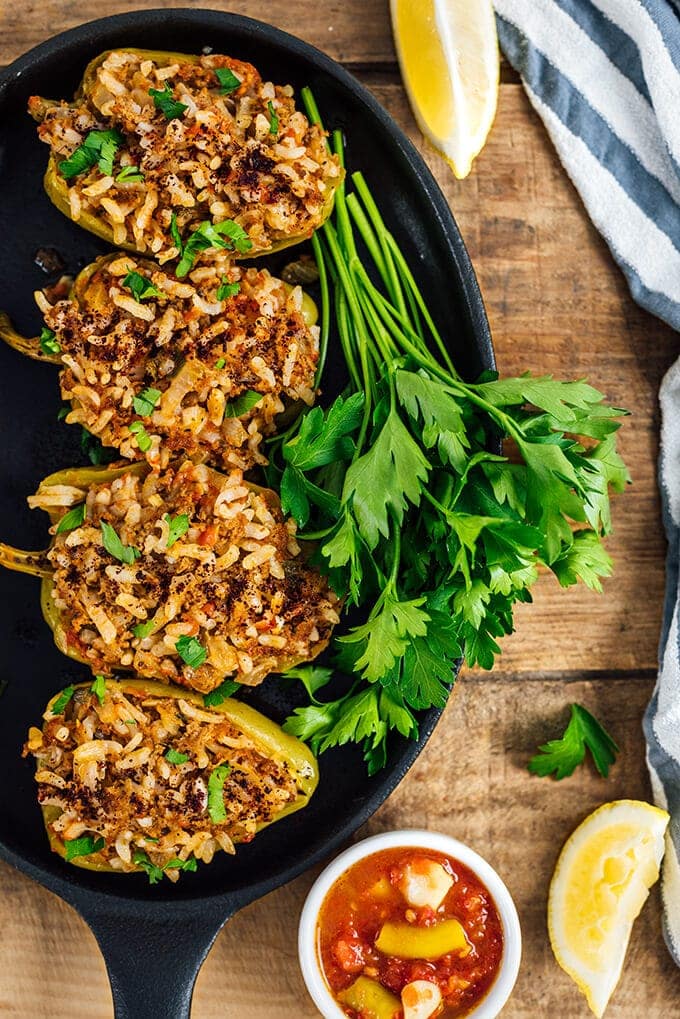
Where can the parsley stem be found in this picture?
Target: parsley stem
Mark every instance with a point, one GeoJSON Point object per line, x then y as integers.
{"type": "Point", "coordinates": [324, 330]}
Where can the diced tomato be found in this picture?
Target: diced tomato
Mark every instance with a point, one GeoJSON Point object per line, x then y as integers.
{"type": "Point", "coordinates": [208, 535]}
{"type": "Point", "coordinates": [350, 954]}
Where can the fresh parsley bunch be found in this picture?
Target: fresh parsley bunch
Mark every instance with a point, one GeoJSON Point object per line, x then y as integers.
{"type": "Point", "coordinates": [415, 510]}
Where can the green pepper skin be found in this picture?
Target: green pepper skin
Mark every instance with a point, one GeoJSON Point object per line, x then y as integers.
{"type": "Point", "coordinates": [267, 736]}
{"type": "Point", "coordinates": [57, 187]}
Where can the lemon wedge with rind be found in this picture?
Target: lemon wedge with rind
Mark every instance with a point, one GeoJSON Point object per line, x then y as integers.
{"type": "Point", "coordinates": [448, 53]}
{"type": "Point", "coordinates": [601, 882]}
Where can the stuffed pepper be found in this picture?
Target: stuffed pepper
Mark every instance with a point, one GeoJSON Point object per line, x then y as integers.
{"type": "Point", "coordinates": [175, 154]}
{"type": "Point", "coordinates": [155, 366]}
{"type": "Point", "coordinates": [138, 776]}
{"type": "Point", "coordinates": [187, 575]}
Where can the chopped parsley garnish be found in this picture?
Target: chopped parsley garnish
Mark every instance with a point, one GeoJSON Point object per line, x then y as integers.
{"type": "Point", "coordinates": [175, 757]}
{"type": "Point", "coordinates": [145, 402]}
{"type": "Point", "coordinates": [115, 547]}
{"type": "Point", "coordinates": [63, 412]}
{"type": "Point", "coordinates": [175, 234]}
{"type": "Point", "coordinates": [48, 341]}
{"type": "Point", "coordinates": [62, 700]}
{"type": "Point", "coordinates": [221, 693]}
{"type": "Point", "coordinates": [178, 525]}
{"type": "Point", "coordinates": [98, 688]}
{"type": "Point", "coordinates": [191, 651]}
{"type": "Point", "coordinates": [177, 864]}
{"type": "Point", "coordinates": [273, 119]}
{"type": "Point", "coordinates": [84, 846]}
{"type": "Point", "coordinates": [72, 519]}
{"type": "Point", "coordinates": [227, 79]}
{"type": "Point", "coordinates": [562, 756]}
{"type": "Point", "coordinates": [142, 630]}
{"type": "Point", "coordinates": [220, 363]}
{"type": "Point", "coordinates": [140, 287]}
{"type": "Point", "coordinates": [99, 147]}
{"type": "Point", "coordinates": [227, 289]}
{"type": "Point", "coordinates": [143, 439]}
{"type": "Point", "coordinates": [216, 808]}
{"type": "Point", "coordinates": [129, 174]}
{"type": "Point", "coordinates": [153, 871]}
{"type": "Point", "coordinates": [226, 234]}
{"type": "Point", "coordinates": [164, 101]}
{"type": "Point", "coordinates": [242, 404]}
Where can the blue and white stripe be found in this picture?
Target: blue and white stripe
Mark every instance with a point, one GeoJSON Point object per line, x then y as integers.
{"type": "Point", "coordinates": [604, 76]}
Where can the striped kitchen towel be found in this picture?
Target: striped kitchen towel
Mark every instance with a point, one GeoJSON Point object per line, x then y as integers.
{"type": "Point", "coordinates": [604, 76]}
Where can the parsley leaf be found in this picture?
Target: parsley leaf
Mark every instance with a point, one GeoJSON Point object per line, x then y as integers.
{"type": "Point", "coordinates": [227, 79]}
{"type": "Point", "coordinates": [389, 476]}
{"type": "Point", "coordinates": [242, 404]}
{"type": "Point", "coordinates": [62, 700]}
{"type": "Point", "coordinates": [74, 518]}
{"type": "Point", "coordinates": [140, 287]}
{"type": "Point", "coordinates": [98, 147]}
{"type": "Point", "coordinates": [175, 757]}
{"type": "Point", "coordinates": [115, 547]}
{"type": "Point", "coordinates": [273, 119]}
{"type": "Point", "coordinates": [153, 871]}
{"type": "Point", "coordinates": [221, 693]}
{"type": "Point", "coordinates": [325, 436]}
{"type": "Point", "coordinates": [142, 630]}
{"type": "Point", "coordinates": [164, 101]}
{"type": "Point", "coordinates": [130, 175]}
{"type": "Point", "coordinates": [48, 341]}
{"type": "Point", "coordinates": [98, 688]}
{"type": "Point", "coordinates": [312, 677]}
{"type": "Point", "coordinates": [178, 526]}
{"type": "Point", "coordinates": [227, 289]}
{"type": "Point", "coordinates": [385, 636]}
{"type": "Point", "coordinates": [227, 234]}
{"type": "Point", "coordinates": [216, 807]}
{"type": "Point", "coordinates": [142, 437]}
{"type": "Point", "coordinates": [191, 651]}
{"type": "Point", "coordinates": [145, 401]}
{"type": "Point", "coordinates": [562, 756]}
{"type": "Point", "coordinates": [220, 363]}
{"type": "Point", "coordinates": [84, 846]}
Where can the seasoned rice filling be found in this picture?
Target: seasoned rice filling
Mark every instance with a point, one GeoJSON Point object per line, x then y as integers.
{"type": "Point", "coordinates": [245, 155]}
{"type": "Point", "coordinates": [222, 353]}
{"type": "Point", "coordinates": [189, 576]}
{"type": "Point", "coordinates": [134, 771]}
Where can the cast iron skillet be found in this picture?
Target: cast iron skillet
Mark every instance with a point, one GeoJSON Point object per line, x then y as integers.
{"type": "Point", "coordinates": [154, 939]}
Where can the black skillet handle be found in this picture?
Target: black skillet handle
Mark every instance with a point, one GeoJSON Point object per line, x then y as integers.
{"type": "Point", "coordinates": [153, 951]}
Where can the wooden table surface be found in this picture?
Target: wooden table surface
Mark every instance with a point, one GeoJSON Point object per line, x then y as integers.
{"type": "Point", "coordinates": [557, 304]}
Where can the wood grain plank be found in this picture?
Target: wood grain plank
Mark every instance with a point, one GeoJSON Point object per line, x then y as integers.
{"type": "Point", "coordinates": [557, 303]}
{"type": "Point", "coordinates": [353, 32]}
{"type": "Point", "coordinates": [471, 782]}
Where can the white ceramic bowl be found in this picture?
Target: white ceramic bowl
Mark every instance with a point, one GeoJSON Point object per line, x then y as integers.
{"type": "Point", "coordinates": [499, 992]}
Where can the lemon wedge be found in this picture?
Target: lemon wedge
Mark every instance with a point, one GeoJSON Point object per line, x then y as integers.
{"type": "Point", "coordinates": [448, 54]}
{"type": "Point", "coordinates": [600, 884]}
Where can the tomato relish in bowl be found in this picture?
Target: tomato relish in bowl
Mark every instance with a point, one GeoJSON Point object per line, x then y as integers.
{"type": "Point", "coordinates": [409, 925]}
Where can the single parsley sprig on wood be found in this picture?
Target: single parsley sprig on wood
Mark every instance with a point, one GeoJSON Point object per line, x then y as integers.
{"type": "Point", "coordinates": [414, 509]}
{"type": "Point", "coordinates": [561, 757]}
